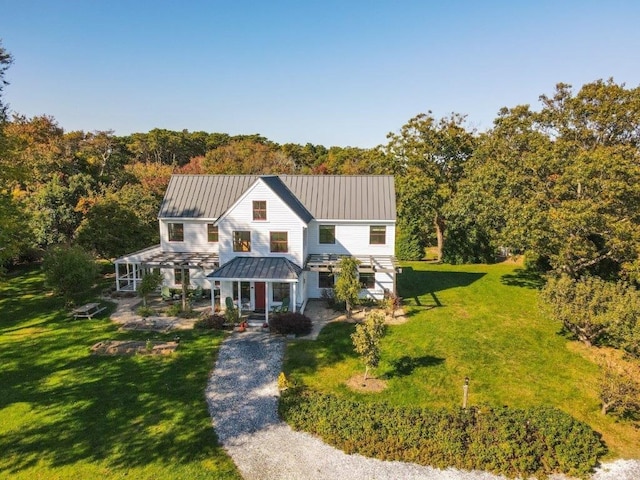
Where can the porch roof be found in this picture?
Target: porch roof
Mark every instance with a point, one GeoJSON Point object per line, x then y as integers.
{"type": "Point", "coordinates": [155, 257]}
{"type": "Point", "coordinates": [258, 268]}
{"type": "Point", "coordinates": [327, 262]}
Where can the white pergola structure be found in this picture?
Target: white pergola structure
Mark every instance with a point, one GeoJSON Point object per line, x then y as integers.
{"type": "Point", "coordinates": [328, 262]}
{"type": "Point", "coordinates": [131, 268]}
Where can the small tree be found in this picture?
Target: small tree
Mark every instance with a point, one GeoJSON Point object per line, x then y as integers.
{"type": "Point", "coordinates": [150, 282]}
{"type": "Point", "coordinates": [69, 271]}
{"type": "Point", "coordinates": [618, 392]}
{"type": "Point", "coordinates": [366, 340]}
{"type": "Point", "coordinates": [347, 287]}
{"type": "Point", "coordinates": [594, 310]}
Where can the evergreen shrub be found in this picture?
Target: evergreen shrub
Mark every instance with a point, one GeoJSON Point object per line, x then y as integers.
{"type": "Point", "coordinates": [537, 441]}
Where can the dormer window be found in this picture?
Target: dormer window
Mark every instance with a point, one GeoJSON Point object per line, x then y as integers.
{"type": "Point", "coordinates": [259, 210]}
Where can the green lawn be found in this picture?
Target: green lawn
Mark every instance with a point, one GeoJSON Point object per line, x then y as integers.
{"type": "Point", "coordinates": [476, 321]}
{"type": "Point", "coordinates": [67, 414]}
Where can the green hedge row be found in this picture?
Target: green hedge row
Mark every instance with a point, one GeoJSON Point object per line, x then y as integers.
{"type": "Point", "coordinates": [514, 442]}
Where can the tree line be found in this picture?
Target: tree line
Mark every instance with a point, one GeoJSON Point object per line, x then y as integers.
{"type": "Point", "coordinates": [558, 183]}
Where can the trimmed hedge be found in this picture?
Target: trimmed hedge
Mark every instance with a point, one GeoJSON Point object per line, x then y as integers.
{"type": "Point", "coordinates": [515, 442]}
{"type": "Point", "coordinates": [290, 323]}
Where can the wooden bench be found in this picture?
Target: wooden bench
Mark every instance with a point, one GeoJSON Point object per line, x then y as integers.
{"type": "Point", "coordinates": [88, 310]}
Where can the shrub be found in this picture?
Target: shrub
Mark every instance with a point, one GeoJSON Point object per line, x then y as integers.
{"type": "Point", "coordinates": [174, 310]}
{"type": "Point", "coordinates": [594, 310]}
{"type": "Point", "coordinates": [69, 271]}
{"type": "Point", "coordinates": [144, 311]}
{"type": "Point", "coordinates": [211, 322]}
{"type": "Point", "coordinates": [290, 323]}
{"type": "Point", "coordinates": [410, 246]}
{"type": "Point", "coordinates": [515, 442]}
{"type": "Point", "coordinates": [619, 392]}
{"type": "Point", "coordinates": [391, 302]}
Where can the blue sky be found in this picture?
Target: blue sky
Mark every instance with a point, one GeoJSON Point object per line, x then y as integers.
{"type": "Point", "coordinates": [326, 72]}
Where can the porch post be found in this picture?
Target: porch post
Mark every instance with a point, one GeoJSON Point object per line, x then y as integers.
{"type": "Point", "coordinates": [117, 265]}
{"type": "Point", "coordinates": [135, 277]}
{"type": "Point", "coordinates": [213, 295]}
{"type": "Point", "coordinates": [295, 296]}
{"type": "Point", "coordinates": [239, 300]}
{"type": "Point", "coordinates": [266, 302]}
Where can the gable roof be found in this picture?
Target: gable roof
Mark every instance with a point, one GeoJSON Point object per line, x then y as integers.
{"type": "Point", "coordinates": [324, 197]}
{"type": "Point", "coordinates": [280, 189]}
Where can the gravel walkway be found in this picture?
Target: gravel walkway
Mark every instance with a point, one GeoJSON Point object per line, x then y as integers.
{"type": "Point", "coordinates": [243, 396]}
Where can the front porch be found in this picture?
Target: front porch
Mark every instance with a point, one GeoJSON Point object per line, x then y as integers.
{"type": "Point", "coordinates": [258, 285]}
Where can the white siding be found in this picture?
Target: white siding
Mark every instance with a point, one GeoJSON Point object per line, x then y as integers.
{"type": "Point", "coordinates": [351, 238]}
{"type": "Point", "coordinates": [280, 218]}
{"type": "Point", "coordinates": [195, 237]}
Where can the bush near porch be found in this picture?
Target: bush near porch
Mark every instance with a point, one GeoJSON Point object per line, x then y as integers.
{"type": "Point", "coordinates": [476, 321]}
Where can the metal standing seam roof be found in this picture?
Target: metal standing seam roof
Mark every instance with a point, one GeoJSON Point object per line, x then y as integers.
{"type": "Point", "coordinates": [263, 268]}
{"type": "Point", "coordinates": [323, 197]}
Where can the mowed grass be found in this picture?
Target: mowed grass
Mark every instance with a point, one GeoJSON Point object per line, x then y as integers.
{"type": "Point", "coordinates": [67, 414]}
{"type": "Point", "coordinates": [475, 321]}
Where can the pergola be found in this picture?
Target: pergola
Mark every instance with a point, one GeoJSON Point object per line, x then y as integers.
{"type": "Point", "coordinates": [135, 264]}
{"type": "Point", "coordinates": [328, 262]}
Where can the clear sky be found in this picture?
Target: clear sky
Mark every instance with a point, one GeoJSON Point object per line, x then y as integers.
{"type": "Point", "coordinates": [333, 72]}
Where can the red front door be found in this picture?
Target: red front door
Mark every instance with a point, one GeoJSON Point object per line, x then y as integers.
{"type": "Point", "coordinates": [259, 290]}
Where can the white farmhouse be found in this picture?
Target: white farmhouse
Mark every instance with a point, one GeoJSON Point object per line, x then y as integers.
{"type": "Point", "coordinates": [262, 238]}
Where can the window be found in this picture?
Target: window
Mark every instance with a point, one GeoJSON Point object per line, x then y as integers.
{"type": "Point", "coordinates": [325, 280]}
{"type": "Point", "coordinates": [327, 233]}
{"type": "Point", "coordinates": [259, 210]}
{"type": "Point", "coordinates": [177, 272]}
{"type": "Point", "coordinates": [368, 280]}
{"type": "Point", "coordinates": [241, 241]}
{"type": "Point", "coordinates": [280, 291]}
{"type": "Point", "coordinates": [245, 294]}
{"type": "Point", "coordinates": [279, 242]}
{"type": "Point", "coordinates": [212, 233]}
{"type": "Point", "coordinates": [377, 235]}
{"type": "Point", "coordinates": [176, 232]}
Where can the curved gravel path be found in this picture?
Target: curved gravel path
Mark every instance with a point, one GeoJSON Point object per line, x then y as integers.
{"type": "Point", "coordinates": [243, 397]}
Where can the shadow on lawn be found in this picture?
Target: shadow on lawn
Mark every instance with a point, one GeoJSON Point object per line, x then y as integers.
{"type": "Point", "coordinates": [418, 288]}
{"type": "Point", "coordinates": [121, 410]}
{"type": "Point", "coordinates": [404, 366]}
{"type": "Point", "coordinates": [523, 278]}
{"type": "Point", "coordinates": [68, 406]}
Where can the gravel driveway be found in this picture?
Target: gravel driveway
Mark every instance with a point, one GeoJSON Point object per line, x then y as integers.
{"type": "Point", "coordinates": [243, 397]}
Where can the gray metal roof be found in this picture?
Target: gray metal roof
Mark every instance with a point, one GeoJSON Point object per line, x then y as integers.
{"type": "Point", "coordinates": [258, 268]}
{"type": "Point", "coordinates": [324, 197]}
{"type": "Point", "coordinates": [280, 189]}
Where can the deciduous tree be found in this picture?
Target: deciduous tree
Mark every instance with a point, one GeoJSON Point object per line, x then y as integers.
{"type": "Point", "coordinates": [366, 340]}
{"type": "Point", "coordinates": [438, 149]}
{"type": "Point", "coordinates": [69, 271]}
